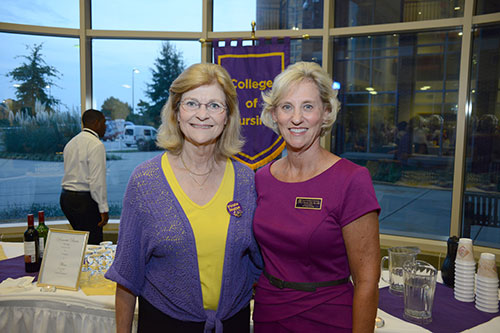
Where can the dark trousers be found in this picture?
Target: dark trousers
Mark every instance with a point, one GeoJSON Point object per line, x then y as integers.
{"type": "Point", "coordinates": [153, 320]}
{"type": "Point", "coordinates": [82, 213]}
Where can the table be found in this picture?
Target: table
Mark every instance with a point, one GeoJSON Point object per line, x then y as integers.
{"type": "Point", "coordinates": [73, 311]}
{"type": "Point", "coordinates": [60, 311]}
{"type": "Point", "coordinates": [394, 324]}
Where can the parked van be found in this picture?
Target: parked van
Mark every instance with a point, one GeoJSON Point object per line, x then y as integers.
{"type": "Point", "coordinates": [139, 135]}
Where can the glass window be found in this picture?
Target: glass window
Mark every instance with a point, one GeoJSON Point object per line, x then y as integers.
{"type": "Point", "coordinates": [127, 90]}
{"type": "Point", "coordinates": [229, 15]}
{"type": "Point", "coordinates": [122, 69]}
{"type": "Point", "coordinates": [36, 121]}
{"type": "Point", "coordinates": [365, 12]}
{"type": "Point", "coordinates": [147, 15]}
{"type": "Point", "coordinates": [306, 50]}
{"type": "Point", "coordinates": [54, 13]}
{"type": "Point", "coordinates": [487, 7]}
{"type": "Point", "coordinates": [395, 120]}
{"type": "Point", "coordinates": [481, 220]}
{"type": "Point", "coordinates": [268, 14]}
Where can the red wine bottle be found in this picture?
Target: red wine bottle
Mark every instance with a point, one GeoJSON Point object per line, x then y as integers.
{"type": "Point", "coordinates": [43, 231]}
{"type": "Point", "coordinates": [31, 247]}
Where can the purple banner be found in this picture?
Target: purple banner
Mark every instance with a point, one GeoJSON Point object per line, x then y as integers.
{"type": "Point", "coordinates": [253, 69]}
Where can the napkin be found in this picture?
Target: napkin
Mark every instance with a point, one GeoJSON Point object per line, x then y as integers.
{"type": "Point", "coordinates": [97, 285]}
{"type": "Point", "coordinates": [16, 285]}
{"type": "Point", "coordinates": [100, 290]}
{"type": "Point", "coordinates": [2, 253]}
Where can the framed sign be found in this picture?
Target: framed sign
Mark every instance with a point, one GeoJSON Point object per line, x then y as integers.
{"type": "Point", "coordinates": [63, 258]}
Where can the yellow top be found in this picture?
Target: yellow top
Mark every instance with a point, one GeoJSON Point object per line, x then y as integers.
{"type": "Point", "coordinates": [209, 223]}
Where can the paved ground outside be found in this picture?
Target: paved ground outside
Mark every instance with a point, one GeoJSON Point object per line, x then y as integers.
{"type": "Point", "coordinates": [408, 211]}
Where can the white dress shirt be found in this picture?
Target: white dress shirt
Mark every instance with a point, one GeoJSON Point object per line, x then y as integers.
{"type": "Point", "coordinates": [85, 167]}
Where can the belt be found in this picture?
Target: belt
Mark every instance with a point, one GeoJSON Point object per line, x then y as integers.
{"type": "Point", "coordinates": [303, 286]}
{"type": "Point", "coordinates": [76, 192]}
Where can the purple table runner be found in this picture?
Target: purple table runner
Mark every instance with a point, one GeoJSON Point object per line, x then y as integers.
{"type": "Point", "coordinates": [448, 314]}
{"type": "Point", "coordinates": [14, 268]}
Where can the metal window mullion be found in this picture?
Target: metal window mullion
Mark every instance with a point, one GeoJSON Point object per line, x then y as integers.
{"type": "Point", "coordinates": [206, 27]}
{"type": "Point", "coordinates": [462, 114]}
{"type": "Point", "coordinates": [85, 56]}
{"type": "Point", "coordinates": [327, 56]}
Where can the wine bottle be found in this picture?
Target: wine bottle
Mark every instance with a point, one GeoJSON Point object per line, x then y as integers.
{"type": "Point", "coordinates": [43, 231]}
{"type": "Point", "coordinates": [448, 267]}
{"type": "Point", "coordinates": [31, 247]}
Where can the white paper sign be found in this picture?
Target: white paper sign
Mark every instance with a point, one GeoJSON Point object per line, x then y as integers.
{"type": "Point", "coordinates": [63, 258]}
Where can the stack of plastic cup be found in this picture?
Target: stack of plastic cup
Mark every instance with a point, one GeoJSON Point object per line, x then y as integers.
{"type": "Point", "coordinates": [487, 284]}
{"type": "Point", "coordinates": [465, 269]}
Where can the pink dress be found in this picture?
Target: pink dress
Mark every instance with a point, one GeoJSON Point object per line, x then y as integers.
{"type": "Point", "coordinates": [306, 245]}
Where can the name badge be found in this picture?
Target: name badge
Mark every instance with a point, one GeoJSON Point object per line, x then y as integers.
{"type": "Point", "coordinates": [308, 203]}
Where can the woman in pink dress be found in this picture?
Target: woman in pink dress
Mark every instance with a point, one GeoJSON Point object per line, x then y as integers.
{"type": "Point", "coordinates": [316, 219]}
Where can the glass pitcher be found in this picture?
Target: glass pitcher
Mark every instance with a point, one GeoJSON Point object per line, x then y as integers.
{"type": "Point", "coordinates": [397, 256]}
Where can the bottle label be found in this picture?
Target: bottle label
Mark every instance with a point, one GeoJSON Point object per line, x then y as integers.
{"type": "Point", "coordinates": [41, 247]}
{"type": "Point", "coordinates": [29, 252]}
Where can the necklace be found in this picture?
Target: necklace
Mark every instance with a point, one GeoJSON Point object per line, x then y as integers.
{"type": "Point", "coordinates": [197, 182]}
{"type": "Point", "coordinates": [194, 173]}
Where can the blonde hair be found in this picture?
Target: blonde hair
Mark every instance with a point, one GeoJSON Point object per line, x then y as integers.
{"type": "Point", "coordinates": [170, 136]}
{"type": "Point", "coordinates": [292, 75]}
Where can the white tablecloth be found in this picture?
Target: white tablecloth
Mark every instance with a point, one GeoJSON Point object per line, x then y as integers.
{"type": "Point", "coordinates": [60, 311]}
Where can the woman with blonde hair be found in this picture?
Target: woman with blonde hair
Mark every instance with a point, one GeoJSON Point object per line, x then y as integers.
{"type": "Point", "coordinates": [316, 220]}
{"type": "Point", "coordinates": [185, 244]}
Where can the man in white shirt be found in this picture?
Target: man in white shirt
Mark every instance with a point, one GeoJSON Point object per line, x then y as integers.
{"type": "Point", "coordinates": [84, 198]}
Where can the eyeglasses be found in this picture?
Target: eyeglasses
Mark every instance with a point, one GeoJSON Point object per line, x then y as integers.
{"type": "Point", "coordinates": [193, 105]}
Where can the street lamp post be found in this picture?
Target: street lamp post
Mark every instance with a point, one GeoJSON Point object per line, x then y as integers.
{"type": "Point", "coordinates": [134, 71]}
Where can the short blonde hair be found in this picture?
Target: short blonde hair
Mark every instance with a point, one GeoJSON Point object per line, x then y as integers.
{"type": "Point", "coordinates": [292, 75]}
{"type": "Point", "coordinates": [170, 136]}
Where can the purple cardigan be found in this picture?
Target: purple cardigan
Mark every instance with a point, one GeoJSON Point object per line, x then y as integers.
{"type": "Point", "coordinates": [156, 253]}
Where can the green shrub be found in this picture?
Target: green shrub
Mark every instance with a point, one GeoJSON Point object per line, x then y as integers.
{"type": "Point", "coordinates": [14, 213]}
{"type": "Point", "coordinates": [44, 133]}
